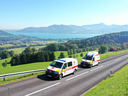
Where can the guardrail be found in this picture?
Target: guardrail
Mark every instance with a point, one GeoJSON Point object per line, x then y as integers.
{"type": "Point", "coordinates": [20, 73]}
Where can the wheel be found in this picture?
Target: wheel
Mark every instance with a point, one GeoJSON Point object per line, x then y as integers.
{"type": "Point", "coordinates": [97, 64]}
{"type": "Point", "coordinates": [60, 76]}
{"type": "Point", "coordinates": [74, 71]}
{"type": "Point", "coordinates": [91, 66]}
{"type": "Point", "coordinates": [81, 65]}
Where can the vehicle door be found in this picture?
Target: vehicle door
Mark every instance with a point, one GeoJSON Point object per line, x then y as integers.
{"type": "Point", "coordinates": [94, 61]}
{"type": "Point", "coordinates": [64, 69]}
{"type": "Point", "coordinates": [69, 65]}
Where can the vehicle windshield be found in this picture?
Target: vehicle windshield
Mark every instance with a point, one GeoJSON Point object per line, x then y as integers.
{"type": "Point", "coordinates": [56, 64]}
{"type": "Point", "coordinates": [88, 57]}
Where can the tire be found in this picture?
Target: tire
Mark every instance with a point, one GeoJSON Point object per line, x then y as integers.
{"type": "Point", "coordinates": [46, 75]}
{"type": "Point", "coordinates": [60, 76]}
{"type": "Point", "coordinates": [91, 66]}
{"type": "Point", "coordinates": [97, 64]}
{"type": "Point", "coordinates": [81, 65]}
{"type": "Point", "coordinates": [74, 71]}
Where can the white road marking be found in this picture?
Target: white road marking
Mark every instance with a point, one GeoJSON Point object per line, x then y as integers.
{"type": "Point", "coordinates": [77, 76]}
{"type": "Point", "coordinates": [43, 89]}
{"type": "Point", "coordinates": [96, 68]}
{"type": "Point", "coordinates": [118, 59]}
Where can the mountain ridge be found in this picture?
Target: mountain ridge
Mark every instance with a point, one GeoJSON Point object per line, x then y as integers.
{"type": "Point", "coordinates": [93, 28]}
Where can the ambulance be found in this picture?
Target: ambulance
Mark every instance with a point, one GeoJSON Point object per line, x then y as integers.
{"type": "Point", "coordinates": [62, 67]}
{"type": "Point", "coordinates": [90, 59]}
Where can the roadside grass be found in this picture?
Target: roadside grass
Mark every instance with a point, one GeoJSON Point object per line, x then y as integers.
{"type": "Point", "coordinates": [107, 55]}
{"type": "Point", "coordinates": [117, 85]}
{"type": "Point", "coordinates": [19, 78]}
{"type": "Point", "coordinates": [25, 67]}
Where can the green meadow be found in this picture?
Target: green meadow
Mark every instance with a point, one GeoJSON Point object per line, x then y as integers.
{"type": "Point", "coordinates": [116, 85]}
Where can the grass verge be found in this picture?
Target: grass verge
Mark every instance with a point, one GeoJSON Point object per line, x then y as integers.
{"type": "Point", "coordinates": [117, 85]}
{"type": "Point", "coordinates": [19, 78]}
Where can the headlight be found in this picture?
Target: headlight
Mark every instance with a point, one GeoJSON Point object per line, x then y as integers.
{"type": "Point", "coordinates": [56, 72]}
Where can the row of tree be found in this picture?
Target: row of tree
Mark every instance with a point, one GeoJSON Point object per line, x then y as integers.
{"type": "Point", "coordinates": [65, 47]}
{"type": "Point", "coordinates": [25, 58]}
{"type": "Point", "coordinates": [74, 51]}
{"type": "Point", "coordinates": [6, 54]}
{"type": "Point", "coordinates": [12, 47]}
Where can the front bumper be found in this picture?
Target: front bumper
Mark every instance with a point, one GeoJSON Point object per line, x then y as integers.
{"type": "Point", "coordinates": [85, 64]}
{"type": "Point", "coordinates": [52, 74]}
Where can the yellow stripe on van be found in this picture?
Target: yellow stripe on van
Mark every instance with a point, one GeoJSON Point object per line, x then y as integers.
{"type": "Point", "coordinates": [58, 70]}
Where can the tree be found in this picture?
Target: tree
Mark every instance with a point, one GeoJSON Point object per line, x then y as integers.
{"type": "Point", "coordinates": [61, 55]}
{"type": "Point", "coordinates": [52, 47]}
{"type": "Point", "coordinates": [23, 58]}
{"type": "Point", "coordinates": [52, 56]}
{"type": "Point", "coordinates": [62, 47]}
{"type": "Point", "coordinates": [33, 49]}
{"type": "Point", "coordinates": [70, 56]}
{"type": "Point", "coordinates": [74, 51]}
{"type": "Point", "coordinates": [46, 56]}
{"type": "Point", "coordinates": [4, 64]}
{"type": "Point", "coordinates": [11, 53]}
{"type": "Point", "coordinates": [17, 60]}
{"type": "Point", "coordinates": [69, 52]}
{"type": "Point", "coordinates": [81, 54]}
{"type": "Point", "coordinates": [13, 61]}
{"type": "Point", "coordinates": [103, 49]}
{"type": "Point", "coordinates": [122, 46]}
{"type": "Point", "coordinates": [28, 50]}
{"type": "Point", "coordinates": [28, 57]}
{"type": "Point", "coordinates": [40, 57]}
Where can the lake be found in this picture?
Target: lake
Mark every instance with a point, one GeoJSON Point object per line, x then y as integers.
{"type": "Point", "coordinates": [54, 35]}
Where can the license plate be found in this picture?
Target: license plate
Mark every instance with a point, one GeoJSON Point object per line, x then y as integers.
{"type": "Point", "coordinates": [49, 76]}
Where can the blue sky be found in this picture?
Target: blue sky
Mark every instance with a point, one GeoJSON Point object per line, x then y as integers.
{"type": "Point", "coordinates": [18, 14]}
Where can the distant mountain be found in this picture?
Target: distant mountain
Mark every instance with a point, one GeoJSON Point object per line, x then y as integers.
{"type": "Point", "coordinates": [4, 36]}
{"type": "Point", "coordinates": [4, 33]}
{"type": "Point", "coordinates": [94, 28]}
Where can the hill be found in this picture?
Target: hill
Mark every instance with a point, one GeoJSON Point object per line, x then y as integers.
{"type": "Point", "coordinates": [94, 28]}
{"type": "Point", "coordinates": [4, 36]}
{"type": "Point", "coordinates": [111, 38]}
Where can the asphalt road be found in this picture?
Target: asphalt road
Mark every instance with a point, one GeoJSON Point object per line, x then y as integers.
{"type": "Point", "coordinates": [71, 85]}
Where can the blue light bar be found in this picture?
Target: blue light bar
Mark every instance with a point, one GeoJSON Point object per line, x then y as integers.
{"type": "Point", "coordinates": [61, 60]}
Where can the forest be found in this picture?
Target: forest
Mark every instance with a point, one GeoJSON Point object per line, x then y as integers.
{"type": "Point", "coordinates": [111, 40]}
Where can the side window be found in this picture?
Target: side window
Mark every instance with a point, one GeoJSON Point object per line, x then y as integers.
{"type": "Point", "coordinates": [69, 64]}
{"type": "Point", "coordinates": [65, 66]}
{"type": "Point", "coordinates": [93, 58]}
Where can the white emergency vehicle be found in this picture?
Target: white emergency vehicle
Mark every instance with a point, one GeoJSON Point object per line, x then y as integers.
{"type": "Point", "coordinates": [90, 59]}
{"type": "Point", "coordinates": [61, 67]}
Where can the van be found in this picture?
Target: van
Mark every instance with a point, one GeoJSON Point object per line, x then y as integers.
{"type": "Point", "coordinates": [90, 59]}
{"type": "Point", "coordinates": [62, 67]}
